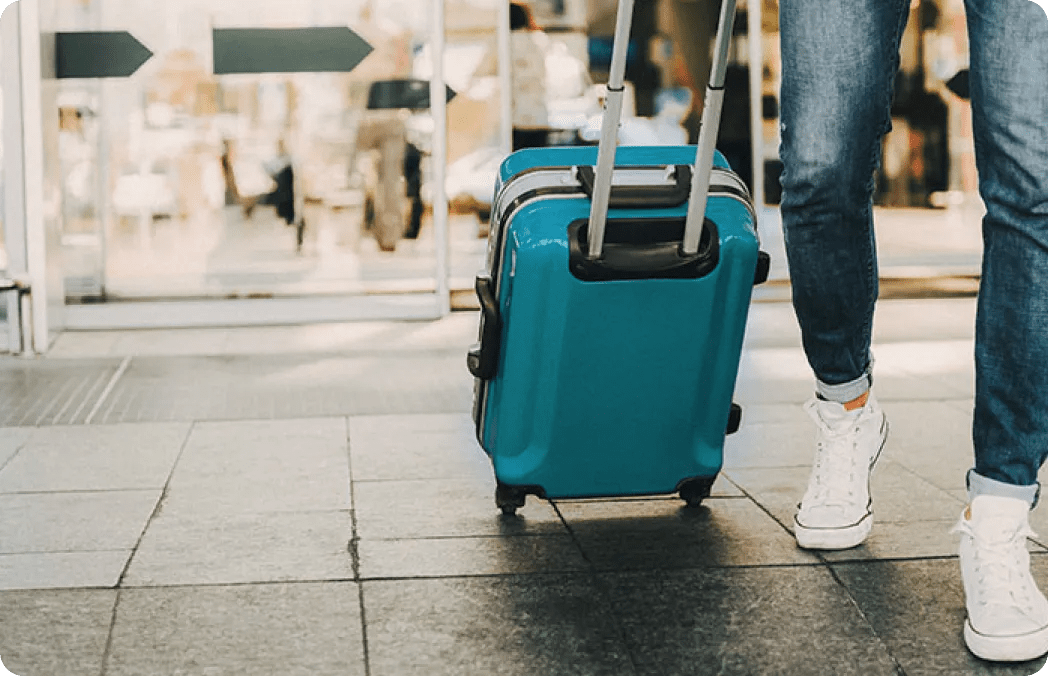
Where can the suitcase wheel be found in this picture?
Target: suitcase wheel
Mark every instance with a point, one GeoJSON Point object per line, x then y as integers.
{"type": "Point", "coordinates": [694, 491]}
{"type": "Point", "coordinates": [509, 498]}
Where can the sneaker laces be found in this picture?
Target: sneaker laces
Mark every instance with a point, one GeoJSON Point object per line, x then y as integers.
{"type": "Point", "coordinates": [833, 472]}
{"type": "Point", "coordinates": [1001, 563]}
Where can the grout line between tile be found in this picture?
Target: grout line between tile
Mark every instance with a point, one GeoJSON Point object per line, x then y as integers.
{"type": "Point", "coordinates": [159, 505]}
{"type": "Point", "coordinates": [354, 552]}
{"type": "Point", "coordinates": [595, 577]}
{"type": "Point", "coordinates": [858, 608]}
{"type": "Point", "coordinates": [107, 651]}
{"type": "Point", "coordinates": [14, 455]}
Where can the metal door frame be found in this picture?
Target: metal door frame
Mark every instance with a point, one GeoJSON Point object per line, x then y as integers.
{"type": "Point", "coordinates": [30, 314]}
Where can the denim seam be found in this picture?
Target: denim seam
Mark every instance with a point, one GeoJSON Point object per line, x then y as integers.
{"type": "Point", "coordinates": [871, 263]}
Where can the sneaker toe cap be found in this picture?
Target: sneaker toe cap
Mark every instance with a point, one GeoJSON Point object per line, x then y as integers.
{"type": "Point", "coordinates": [829, 516]}
{"type": "Point", "coordinates": [1005, 621]}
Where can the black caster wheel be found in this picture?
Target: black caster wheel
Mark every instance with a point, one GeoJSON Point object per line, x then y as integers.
{"type": "Point", "coordinates": [509, 498]}
{"type": "Point", "coordinates": [694, 491]}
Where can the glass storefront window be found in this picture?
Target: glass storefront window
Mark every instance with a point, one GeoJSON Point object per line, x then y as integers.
{"type": "Point", "coordinates": [179, 183]}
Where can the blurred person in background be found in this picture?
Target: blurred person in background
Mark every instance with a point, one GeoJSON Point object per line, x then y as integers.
{"type": "Point", "coordinates": [528, 46]}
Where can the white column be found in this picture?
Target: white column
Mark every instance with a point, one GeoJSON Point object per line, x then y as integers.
{"type": "Point", "coordinates": [24, 167]}
{"type": "Point", "coordinates": [438, 109]}
{"type": "Point", "coordinates": [505, 74]}
{"type": "Point", "coordinates": [14, 175]}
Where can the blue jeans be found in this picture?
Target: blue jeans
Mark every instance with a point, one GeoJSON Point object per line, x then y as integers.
{"type": "Point", "coordinates": [839, 60]}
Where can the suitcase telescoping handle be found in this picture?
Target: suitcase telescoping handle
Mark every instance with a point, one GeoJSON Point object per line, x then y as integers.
{"type": "Point", "coordinates": [707, 132]}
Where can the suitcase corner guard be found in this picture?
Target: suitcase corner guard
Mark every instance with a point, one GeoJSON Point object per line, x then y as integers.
{"type": "Point", "coordinates": [483, 358]}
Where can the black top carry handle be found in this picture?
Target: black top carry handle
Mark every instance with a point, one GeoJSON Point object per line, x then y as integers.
{"type": "Point", "coordinates": [642, 196]}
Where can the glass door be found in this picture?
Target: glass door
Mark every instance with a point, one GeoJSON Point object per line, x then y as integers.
{"type": "Point", "coordinates": [182, 182]}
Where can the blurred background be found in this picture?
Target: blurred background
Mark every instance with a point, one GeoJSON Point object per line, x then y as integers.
{"type": "Point", "coordinates": [178, 185]}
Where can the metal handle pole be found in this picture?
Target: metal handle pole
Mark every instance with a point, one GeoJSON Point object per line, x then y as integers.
{"type": "Point", "coordinates": [609, 130]}
{"type": "Point", "coordinates": [708, 129]}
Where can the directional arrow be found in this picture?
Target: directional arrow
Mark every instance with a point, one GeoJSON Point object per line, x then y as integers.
{"type": "Point", "coordinates": [412, 94]}
{"type": "Point", "coordinates": [98, 54]}
{"type": "Point", "coordinates": [287, 50]}
{"type": "Point", "coordinates": [960, 84]}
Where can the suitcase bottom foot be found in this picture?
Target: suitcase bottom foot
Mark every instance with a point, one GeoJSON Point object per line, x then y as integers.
{"type": "Point", "coordinates": [510, 498]}
{"type": "Point", "coordinates": [694, 491]}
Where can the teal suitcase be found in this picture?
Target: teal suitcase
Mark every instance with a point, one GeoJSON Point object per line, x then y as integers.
{"type": "Point", "coordinates": [613, 307]}
{"type": "Point", "coordinates": [614, 377]}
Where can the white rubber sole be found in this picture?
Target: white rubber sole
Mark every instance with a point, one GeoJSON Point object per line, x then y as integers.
{"type": "Point", "coordinates": [1019, 648]}
{"type": "Point", "coordinates": [833, 538]}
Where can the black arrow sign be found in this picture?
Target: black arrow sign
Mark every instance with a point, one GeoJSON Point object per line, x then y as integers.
{"type": "Point", "coordinates": [960, 84]}
{"type": "Point", "coordinates": [287, 50]}
{"type": "Point", "coordinates": [98, 54]}
{"type": "Point", "coordinates": [411, 94]}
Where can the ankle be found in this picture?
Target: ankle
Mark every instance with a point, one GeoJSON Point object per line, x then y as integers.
{"type": "Point", "coordinates": [858, 402]}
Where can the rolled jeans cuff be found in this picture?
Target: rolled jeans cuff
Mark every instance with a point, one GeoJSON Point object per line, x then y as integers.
{"type": "Point", "coordinates": [980, 485]}
{"type": "Point", "coordinates": [845, 392]}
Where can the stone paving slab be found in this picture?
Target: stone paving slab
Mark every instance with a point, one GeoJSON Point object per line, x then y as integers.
{"type": "Point", "coordinates": [407, 447]}
{"type": "Point", "coordinates": [778, 443]}
{"type": "Point", "coordinates": [917, 610]}
{"type": "Point", "coordinates": [58, 570]}
{"type": "Point", "coordinates": [658, 534]}
{"type": "Point", "coordinates": [741, 621]}
{"type": "Point", "coordinates": [461, 556]}
{"type": "Point", "coordinates": [74, 522]}
{"type": "Point", "coordinates": [46, 633]}
{"type": "Point", "coordinates": [261, 630]}
{"type": "Point", "coordinates": [508, 626]}
{"type": "Point", "coordinates": [95, 458]}
{"type": "Point", "coordinates": [244, 548]}
{"type": "Point", "coordinates": [261, 466]}
{"type": "Point", "coordinates": [390, 510]}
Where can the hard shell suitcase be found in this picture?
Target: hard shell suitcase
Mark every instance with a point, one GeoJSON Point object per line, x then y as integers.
{"type": "Point", "coordinates": [612, 374]}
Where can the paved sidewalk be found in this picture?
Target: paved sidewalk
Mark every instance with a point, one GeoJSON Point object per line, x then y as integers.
{"type": "Point", "coordinates": [311, 500]}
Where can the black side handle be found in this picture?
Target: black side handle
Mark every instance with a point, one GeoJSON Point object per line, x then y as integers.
{"type": "Point", "coordinates": [763, 268]}
{"type": "Point", "coordinates": [483, 359]}
{"type": "Point", "coordinates": [734, 418]}
{"type": "Point", "coordinates": [642, 196]}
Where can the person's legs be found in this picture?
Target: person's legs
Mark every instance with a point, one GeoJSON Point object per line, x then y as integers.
{"type": "Point", "coordinates": [1009, 80]}
{"type": "Point", "coordinates": [1007, 615]}
{"type": "Point", "coordinates": [839, 60]}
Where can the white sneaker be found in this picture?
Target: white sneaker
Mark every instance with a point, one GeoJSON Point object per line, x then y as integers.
{"type": "Point", "coordinates": [836, 511]}
{"type": "Point", "coordinates": [1007, 613]}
